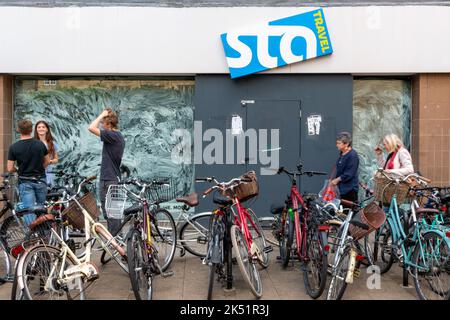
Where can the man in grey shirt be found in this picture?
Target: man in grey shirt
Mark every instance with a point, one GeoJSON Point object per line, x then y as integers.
{"type": "Point", "coordinates": [113, 146]}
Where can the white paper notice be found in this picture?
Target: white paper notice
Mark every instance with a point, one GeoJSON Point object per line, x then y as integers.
{"type": "Point", "coordinates": [236, 125]}
{"type": "Point", "coordinates": [314, 125]}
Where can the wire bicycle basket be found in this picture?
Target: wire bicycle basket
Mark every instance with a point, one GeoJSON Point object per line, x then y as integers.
{"type": "Point", "coordinates": [116, 198]}
{"type": "Point", "coordinates": [164, 190]}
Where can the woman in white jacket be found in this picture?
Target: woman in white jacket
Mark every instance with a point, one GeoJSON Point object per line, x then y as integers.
{"type": "Point", "coordinates": [398, 160]}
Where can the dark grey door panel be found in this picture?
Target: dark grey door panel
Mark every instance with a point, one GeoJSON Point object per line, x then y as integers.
{"type": "Point", "coordinates": [285, 124]}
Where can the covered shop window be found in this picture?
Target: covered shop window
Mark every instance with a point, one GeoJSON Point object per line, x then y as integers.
{"type": "Point", "coordinates": [379, 107]}
{"type": "Point", "coordinates": [149, 112]}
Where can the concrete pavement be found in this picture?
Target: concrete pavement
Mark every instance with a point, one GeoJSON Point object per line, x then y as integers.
{"type": "Point", "coordinates": [190, 281]}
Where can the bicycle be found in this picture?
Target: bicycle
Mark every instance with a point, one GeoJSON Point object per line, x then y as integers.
{"type": "Point", "coordinates": [247, 238]}
{"type": "Point", "coordinates": [219, 253]}
{"type": "Point", "coordinates": [309, 233]}
{"type": "Point", "coordinates": [421, 247]}
{"type": "Point", "coordinates": [47, 272]}
{"type": "Point", "coordinates": [143, 258]}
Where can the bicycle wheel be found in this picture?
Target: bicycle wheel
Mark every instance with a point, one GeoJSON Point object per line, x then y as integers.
{"type": "Point", "coordinates": [258, 238]}
{"type": "Point", "coordinates": [245, 263]}
{"type": "Point", "coordinates": [432, 268]}
{"type": "Point", "coordinates": [379, 246]}
{"type": "Point", "coordinates": [333, 234]}
{"type": "Point", "coordinates": [120, 236]}
{"type": "Point", "coordinates": [287, 238]}
{"type": "Point", "coordinates": [16, 293]}
{"type": "Point", "coordinates": [40, 263]}
{"type": "Point", "coordinates": [211, 277]}
{"type": "Point", "coordinates": [194, 234]}
{"type": "Point", "coordinates": [338, 284]}
{"type": "Point", "coordinates": [315, 268]}
{"type": "Point", "coordinates": [164, 234]}
{"type": "Point", "coordinates": [140, 273]}
{"type": "Point", "coordinates": [12, 233]}
{"type": "Point", "coordinates": [106, 238]}
{"type": "Point", "coordinates": [5, 266]}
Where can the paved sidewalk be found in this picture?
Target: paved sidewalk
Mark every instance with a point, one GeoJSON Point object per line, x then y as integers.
{"type": "Point", "coordinates": [190, 282]}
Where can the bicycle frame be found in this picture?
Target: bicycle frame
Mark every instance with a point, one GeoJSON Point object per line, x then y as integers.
{"type": "Point", "coordinates": [240, 220]}
{"type": "Point", "coordinates": [399, 236]}
{"type": "Point", "coordinates": [82, 265]}
{"type": "Point", "coordinates": [300, 228]}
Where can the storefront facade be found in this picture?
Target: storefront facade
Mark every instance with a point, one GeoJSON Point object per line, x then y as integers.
{"type": "Point", "coordinates": [164, 70]}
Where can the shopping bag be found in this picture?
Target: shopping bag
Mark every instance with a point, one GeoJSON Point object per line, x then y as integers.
{"type": "Point", "coordinates": [330, 193]}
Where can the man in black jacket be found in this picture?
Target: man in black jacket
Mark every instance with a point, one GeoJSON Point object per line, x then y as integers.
{"type": "Point", "coordinates": [106, 127]}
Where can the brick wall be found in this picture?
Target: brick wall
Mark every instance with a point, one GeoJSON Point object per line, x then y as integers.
{"type": "Point", "coordinates": [5, 118]}
{"type": "Point", "coordinates": [431, 126]}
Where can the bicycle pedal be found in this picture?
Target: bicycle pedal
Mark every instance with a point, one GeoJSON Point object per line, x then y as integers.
{"type": "Point", "coordinates": [167, 274]}
{"type": "Point", "coordinates": [356, 273]}
{"type": "Point", "coordinates": [182, 253]}
{"type": "Point", "coordinates": [92, 278]}
{"type": "Point", "coordinates": [268, 249]}
{"type": "Point", "coordinates": [202, 240]}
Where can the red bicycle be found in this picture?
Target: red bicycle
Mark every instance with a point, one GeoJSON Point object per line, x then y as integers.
{"type": "Point", "coordinates": [247, 238]}
{"type": "Point", "coordinates": [301, 221]}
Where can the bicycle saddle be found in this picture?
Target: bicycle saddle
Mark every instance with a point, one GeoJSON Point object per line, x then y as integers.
{"type": "Point", "coordinates": [191, 200]}
{"type": "Point", "coordinates": [133, 209]}
{"type": "Point", "coordinates": [276, 208]}
{"type": "Point", "coordinates": [221, 200]}
{"type": "Point", "coordinates": [427, 211]}
{"type": "Point", "coordinates": [42, 219]}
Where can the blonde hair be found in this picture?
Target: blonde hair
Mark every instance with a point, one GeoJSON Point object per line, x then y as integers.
{"type": "Point", "coordinates": [392, 142]}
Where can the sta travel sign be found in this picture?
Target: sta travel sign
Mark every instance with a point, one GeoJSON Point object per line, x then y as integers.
{"type": "Point", "coordinates": [277, 43]}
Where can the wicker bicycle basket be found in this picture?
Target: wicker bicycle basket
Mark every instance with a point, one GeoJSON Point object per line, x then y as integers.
{"type": "Point", "coordinates": [245, 190]}
{"type": "Point", "coordinates": [371, 215]}
{"type": "Point", "coordinates": [73, 212]}
{"type": "Point", "coordinates": [385, 189]}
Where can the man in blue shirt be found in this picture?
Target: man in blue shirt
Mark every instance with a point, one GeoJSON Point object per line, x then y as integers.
{"type": "Point", "coordinates": [346, 168]}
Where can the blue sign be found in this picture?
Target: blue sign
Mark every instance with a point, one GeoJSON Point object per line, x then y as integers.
{"type": "Point", "coordinates": [280, 42]}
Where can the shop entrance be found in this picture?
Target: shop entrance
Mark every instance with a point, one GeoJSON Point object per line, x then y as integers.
{"type": "Point", "coordinates": [307, 111]}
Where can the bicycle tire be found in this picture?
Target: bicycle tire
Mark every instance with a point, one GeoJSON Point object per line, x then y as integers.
{"type": "Point", "coordinates": [439, 264]}
{"type": "Point", "coordinates": [248, 269]}
{"type": "Point", "coordinates": [286, 241]}
{"type": "Point", "coordinates": [192, 234]}
{"type": "Point", "coordinates": [164, 234]}
{"type": "Point", "coordinates": [318, 259]}
{"type": "Point", "coordinates": [5, 266]}
{"type": "Point", "coordinates": [258, 238]}
{"type": "Point", "coordinates": [104, 259]}
{"type": "Point", "coordinates": [138, 266]}
{"type": "Point", "coordinates": [15, 294]}
{"type": "Point", "coordinates": [338, 285]}
{"type": "Point", "coordinates": [211, 277]}
{"type": "Point", "coordinates": [381, 248]}
{"type": "Point", "coordinates": [43, 257]}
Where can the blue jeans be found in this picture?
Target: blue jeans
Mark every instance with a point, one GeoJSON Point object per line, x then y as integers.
{"type": "Point", "coordinates": [31, 194]}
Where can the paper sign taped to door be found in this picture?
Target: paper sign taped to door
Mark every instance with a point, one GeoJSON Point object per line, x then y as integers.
{"type": "Point", "coordinates": [314, 124]}
{"type": "Point", "coordinates": [236, 125]}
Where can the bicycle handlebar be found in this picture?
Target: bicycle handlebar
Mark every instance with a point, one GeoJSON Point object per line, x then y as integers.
{"type": "Point", "coordinates": [220, 185]}
{"type": "Point", "coordinates": [402, 179]}
{"type": "Point", "coordinates": [300, 172]}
